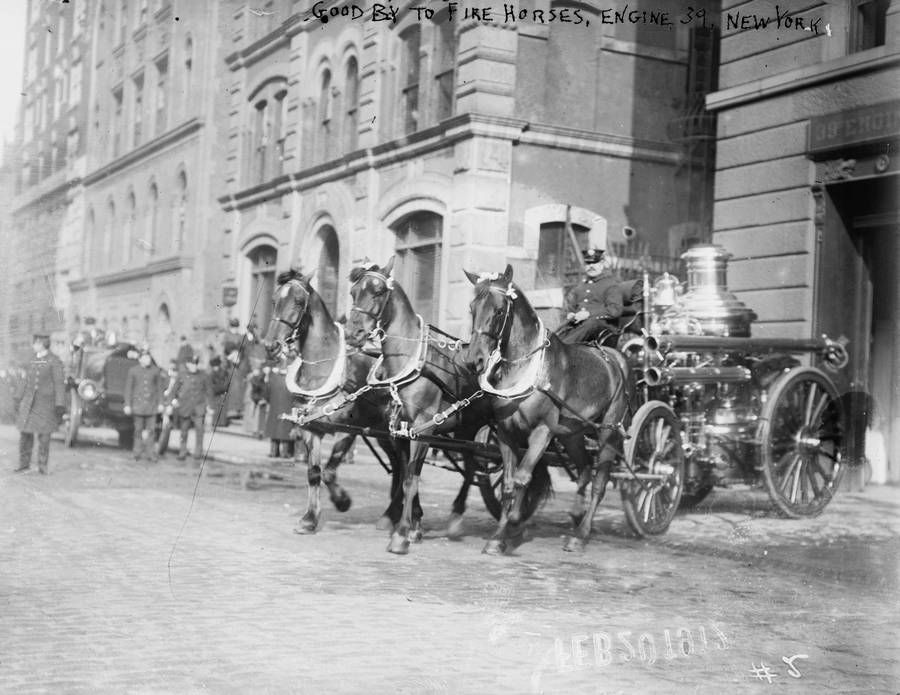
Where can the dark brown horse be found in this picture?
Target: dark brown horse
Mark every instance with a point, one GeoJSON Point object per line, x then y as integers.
{"type": "Point", "coordinates": [541, 388]}
{"type": "Point", "coordinates": [322, 373]}
{"type": "Point", "coordinates": [420, 366]}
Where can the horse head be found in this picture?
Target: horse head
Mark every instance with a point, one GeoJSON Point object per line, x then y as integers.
{"type": "Point", "coordinates": [491, 312]}
{"type": "Point", "coordinates": [292, 300]}
{"type": "Point", "coordinates": [371, 287]}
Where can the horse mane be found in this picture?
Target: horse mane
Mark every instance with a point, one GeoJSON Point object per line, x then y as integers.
{"type": "Point", "coordinates": [292, 274]}
{"type": "Point", "coordinates": [357, 272]}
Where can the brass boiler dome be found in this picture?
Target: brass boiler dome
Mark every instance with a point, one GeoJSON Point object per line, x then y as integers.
{"type": "Point", "coordinates": [708, 300]}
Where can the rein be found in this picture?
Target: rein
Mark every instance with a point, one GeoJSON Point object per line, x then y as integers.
{"type": "Point", "coordinates": [332, 383]}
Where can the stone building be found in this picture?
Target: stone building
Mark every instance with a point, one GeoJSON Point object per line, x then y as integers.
{"type": "Point", "coordinates": [147, 271]}
{"type": "Point", "coordinates": [807, 183]}
{"type": "Point", "coordinates": [453, 142]}
{"type": "Point", "coordinates": [46, 168]}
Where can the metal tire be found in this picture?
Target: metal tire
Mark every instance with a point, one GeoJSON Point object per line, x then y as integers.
{"type": "Point", "coordinates": [655, 440]}
{"type": "Point", "coordinates": [800, 438]}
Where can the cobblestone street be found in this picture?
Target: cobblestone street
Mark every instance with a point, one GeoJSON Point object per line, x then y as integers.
{"type": "Point", "coordinates": [123, 577]}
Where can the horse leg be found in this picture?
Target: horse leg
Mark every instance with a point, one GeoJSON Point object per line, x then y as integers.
{"type": "Point", "coordinates": [579, 503]}
{"type": "Point", "coordinates": [399, 459]}
{"type": "Point", "coordinates": [400, 538]}
{"type": "Point", "coordinates": [538, 441]}
{"type": "Point", "coordinates": [339, 497]}
{"type": "Point", "coordinates": [455, 529]}
{"type": "Point", "coordinates": [497, 543]}
{"type": "Point", "coordinates": [578, 454]}
{"type": "Point", "coordinates": [309, 522]}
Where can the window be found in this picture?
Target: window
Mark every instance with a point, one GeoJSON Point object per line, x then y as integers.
{"type": "Point", "coordinates": [151, 239]}
{"type": "Point", "coordinates": [262, 280]}
{"type": "Point", "coordinates": [90, 249]}
{"type": "Point", "coordinates": [143, 12]}
{"type": "Point", "coordinates": [325, 116]}
{"type": "Point", "coordinates": [117, 122]}
{"type": "Point", "coordinates": [419, 238]}
{"type": "Point", "coordinates": [181, 212]}
{"type": "Point", "coordinates": [108, 236]}
{"type": "Point", "coordinates": [351, 105]}
{"type": "Point", "coordinates": [61, 32]}
{"type": "Point", "coordinates": [123, 21]}
{"type": "Point", "coordinates": [162, 74]}
{"type": "Point", "coordinates": [280, 130]}
{"type": "Point", "coordinates": [260, 140]}
{"type": "Point", "coordinates": [868, 22]}
{"type": "Point", "coordinates": [75, 84]}
{"type": "Point", "coordinates": [188, 65]}
{"type": "Point", "coordinates": [410, 91]}
{"type": "Point", "coordinates": [444, 62]}
{"type": "Point", "coordinates": [129, 239]}
{"type": "Point", "coordinates": [327, 272]}
{"type": "Point", "coordinates": [138, 109]}
{"type": "Point", "coordinates": [558, 259]}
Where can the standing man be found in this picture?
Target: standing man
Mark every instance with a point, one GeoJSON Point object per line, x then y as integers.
{"type": "Point", "coordinates": [191, 396]}
{"type": "Point", "coordinates": [594, 304]}
{"type": "Point", "coordinates": [218, 378]}
{"type": "Point", "coordinates": [144, 390]}
{"type": "Point", "coordinates": [42, 398]}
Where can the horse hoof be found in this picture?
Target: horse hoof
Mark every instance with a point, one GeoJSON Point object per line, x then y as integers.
{"type": "Point", "coordinates": [573, 544]}
{"type": "Point", "coordinates": [494, 546]}
{"type": "Point", "coordinates": [306, 526]}
{"type": "Point", "coordinates": [416, 535]}
{"type": "Point", "coordinates": [342, 502]}
{"type": "Point", "coordinates": [455, 529]}
{"type": "Point", "coordinates": [399, 545]}
{"type": "Point", "coordinates": [384, 523]}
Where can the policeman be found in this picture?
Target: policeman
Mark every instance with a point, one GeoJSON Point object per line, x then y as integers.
{"type": "Point", "coordinates": [144, 390]}
{"type": "Point", "coordinates": [41, 397]}
{"type": "Point", "coordinates": [191, 396]}
{"type": "Point", "coordinates": [594, 304]}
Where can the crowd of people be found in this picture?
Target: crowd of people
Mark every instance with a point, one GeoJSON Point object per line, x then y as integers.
{"type": "Point", "coordinates": [240, 382]}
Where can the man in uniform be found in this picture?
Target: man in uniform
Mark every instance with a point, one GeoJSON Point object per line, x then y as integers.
{"type": "Point", "coordinates": [41, 397]}
{"type": "Point", "coordinates": [144, 389]}
{"type": "Point", "coordinates": [191, 396]}
{"type": "Point", "coordinates": [594, 303]}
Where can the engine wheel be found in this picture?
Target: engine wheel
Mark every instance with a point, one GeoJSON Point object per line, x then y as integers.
{"type": "Point", "coordinates": [800, 435]}
{"type": "Point", "coordinates": [76, 410]}
{"type": "Point", "coordinates": [653, 449]}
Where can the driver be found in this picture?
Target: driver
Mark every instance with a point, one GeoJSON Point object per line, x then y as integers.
{"type": "Point", "coordinates": [593, 305]}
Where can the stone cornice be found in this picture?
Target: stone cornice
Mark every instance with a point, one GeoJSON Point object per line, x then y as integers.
{"type": "Point", "coordinates": [39, 195]}
{"type": "Point", "coordinates": [138, 154]}
{"type": "Point", "coordinates": [444, 135]}
{"type": "Point", "coordinates": [163, 265]}
{"type": "Point", "coordinates": [874, 59]}
{"type": "Point", "coordinates": [264, 46]}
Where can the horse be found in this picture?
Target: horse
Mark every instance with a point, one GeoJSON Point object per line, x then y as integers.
{"type": "Point", "coordinates": [541, 388]}
{"type": "Point", "coordinates": [323, 375]}
{"type": "Point", "coordinates": [431, 390]}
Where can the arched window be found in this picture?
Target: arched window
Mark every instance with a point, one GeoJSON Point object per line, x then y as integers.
{"type": "Point", "coordinates": [410, 75]}
{"type": "Point", "coordinates": [130, 238]}
{"type": "Point", "coordinates": [279, 131]}
{"type": "Point", "coordinates": [419, 239]}
{"type": "Point", "coordinates": [153, 220]}
{"type": "Point", "coordinates": [324, 124]}
{"type": "Point", "coordinates": [109, 245]}
{"type": "Point", "coordinates": [351, 106]}
{"type": "Point", "coordinates": [444, 67]}
{"type": "Point", "coordinates": [327, 271]}
{"type": "Point", "coordinates": [91, 246]}
{"type": "Point", "coordinates": [188, 66]}
{"type": "Point", "coordinates": [262, 281]}
{"type": "Point", "coordinates": [261, 128]}
{"type": "Point", "coordinates": [181, 212]}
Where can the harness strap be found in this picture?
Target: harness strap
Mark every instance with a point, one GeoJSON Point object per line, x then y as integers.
{"type": "Point", "coordinates": [410, 370]}
{"type": "Point", "coordinates": [334, 381]}
{"type": "Point", "coordinates": [533, 375]}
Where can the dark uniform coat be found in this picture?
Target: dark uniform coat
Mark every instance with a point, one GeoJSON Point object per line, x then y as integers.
{"type": "Point", "coordinates": [280, 401]}
{"type": "Point", "coordinates": [41, 393]}
{"type": "Point", "coordinates": [218, 379]}
{"type": "Point", "coordinates": [193, 392]}
{"type": "Point", "coordinates": [603, 297]}
{"type": "Point", "coordinates": [144, 389]}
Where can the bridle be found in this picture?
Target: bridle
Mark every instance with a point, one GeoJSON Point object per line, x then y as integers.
{"type": "Point", "coordinates": [509, 295]}
{"type": "Point", "coordinates": [377, 333]}
{"type": "Point", "coordinates": [293, 335]}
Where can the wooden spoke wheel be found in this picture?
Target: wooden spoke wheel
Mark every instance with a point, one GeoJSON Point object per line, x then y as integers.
{"type": "Point", "coordinates": [654, 449]}
{"type": "Point", "coordinates": [490, 480]}
{"type": "Point", "coordinates": [75, 414]}
{"type": "Point", "coordinates": [800, 436]}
